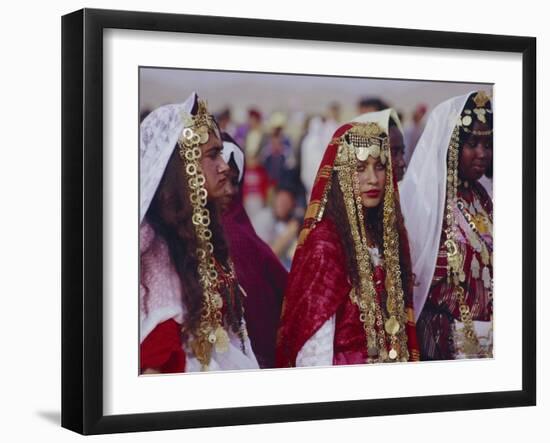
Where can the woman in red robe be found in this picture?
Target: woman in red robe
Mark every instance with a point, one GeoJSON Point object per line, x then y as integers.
{"type": "Point", "coordinates": [349, 294]}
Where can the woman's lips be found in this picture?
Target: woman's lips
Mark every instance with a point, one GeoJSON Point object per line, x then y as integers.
{"type": "Point", "coordinates": [479, 167]}
{"type": "Point", "coordinates": [373, 193]}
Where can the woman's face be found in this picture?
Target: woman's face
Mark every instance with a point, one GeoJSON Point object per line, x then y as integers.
{"type": "Point", "coordinates": [397, 153]}
{"type": "Point", "coordinates": [231, 186]}
{"type": "Point", "coordinates": [372, 180]}
{"type": "Point", "coordinates": [214, 168]}
{"type": "Point", "coordinates": [476, 154]}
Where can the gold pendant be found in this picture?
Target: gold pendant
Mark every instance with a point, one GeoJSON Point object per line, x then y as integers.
{"type": "Point", "coordinates": [202, 350]}
{"type": "Point", "coordinates": [222, 340]}
{"type": "Point", "coordinates": [217, 301]}
{"type": "Point", "coordinates": [453, 255]}
{"type": "Point", "coordinates": [471, 348]}
{"type": "Point", "coordinates": [392, 354]}
{"type": "Point", "coordinates": [392, 325]}
{"type": "Point", "coordinates": [482, 224]}
{"type": "Point", "coordinates": [466, 120]}
{"type": "Point", "coordinates": [212, 338]}
{"type": "Point", "coordinates": [485, 258]}
{"type": "Point", "coordinates": [203, 134]}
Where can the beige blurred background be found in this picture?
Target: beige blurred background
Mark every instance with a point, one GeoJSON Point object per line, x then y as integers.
{"type": "Point", "coordinates": [297, 95]}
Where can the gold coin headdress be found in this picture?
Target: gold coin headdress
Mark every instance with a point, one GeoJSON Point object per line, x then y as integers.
{"type": "Point", "coordinates": [480, 112]}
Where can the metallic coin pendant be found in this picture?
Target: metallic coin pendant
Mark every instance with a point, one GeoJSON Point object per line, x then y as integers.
{"type": "Point", "coordinates": [362, 154]}
{"type": "Point", "coordinates": [203, 134]}
{"type": "Point", "coordinates": [393, 354]}
{"type": "Point", "coordinates": [392, 325]}
{"type": "Point", "coordinates": [217, 301]}
{"type": "Point", "coordinates": [212, 338]}
{"type": "Point", "coordinates": [222, 340]}
{"type": "Point", "coordinates": [470, 348]}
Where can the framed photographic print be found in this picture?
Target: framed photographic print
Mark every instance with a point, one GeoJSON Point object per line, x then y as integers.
{"type": "Point", "coordinates": [270, 221]}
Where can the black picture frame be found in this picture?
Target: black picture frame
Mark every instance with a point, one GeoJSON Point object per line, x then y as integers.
{"type": "Point", "coordinates": [82, 218]}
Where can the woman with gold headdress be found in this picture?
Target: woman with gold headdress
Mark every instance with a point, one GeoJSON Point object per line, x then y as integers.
{"type": "Point", "coordinates": [191, 305]}
{"type": "Point", "coordinates": [449, 217]}
{"type": "Point", "coordinates": [348, 298]}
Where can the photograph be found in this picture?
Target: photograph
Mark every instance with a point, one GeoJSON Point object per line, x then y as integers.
{"type": "Point", "coordinates": [287, 221]}
{"type": "Point", "coordinates": [297, 220]}
{"type": "Point", "coordinates": [275, 222]}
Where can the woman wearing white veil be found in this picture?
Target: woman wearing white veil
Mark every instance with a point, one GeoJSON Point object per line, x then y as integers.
{"type": "Point", "coordinates": [191, 305]}
{"type": "Point", "coordinates": [449, 218]}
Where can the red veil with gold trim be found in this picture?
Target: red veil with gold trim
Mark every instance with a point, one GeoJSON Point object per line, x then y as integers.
{"type": "Point", "coordinates": [319, 285]}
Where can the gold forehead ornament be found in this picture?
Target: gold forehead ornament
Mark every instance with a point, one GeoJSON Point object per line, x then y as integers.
{"type": "Point", "coordinates": [481, 99]}
{"type": "Point", "coordinates": [363, 140]}
{"type": "Point", "coordinates": [480, 112]}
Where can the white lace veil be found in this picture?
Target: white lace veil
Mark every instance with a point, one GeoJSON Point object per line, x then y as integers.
{"type": "Point", "coordinates": [158, 135]}
{"type": "Point", "coordinates": [423, 194]}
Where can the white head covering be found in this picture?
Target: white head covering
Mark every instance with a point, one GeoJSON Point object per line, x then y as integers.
{"type": "Point", "coordinates": [312, 150]}
{"type": "Point", "coordinates": [230, 148]}
{"type": "Point", "coordinates": [423, 194]}
{"type": "Point", "coordinates": [382, 118]}
{"type": "Point", "coordinates": [158, 135]}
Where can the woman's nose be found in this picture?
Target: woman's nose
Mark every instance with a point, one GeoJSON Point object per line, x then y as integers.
{"type": "Point", "coordinates": [222, 166]}
{"type": "Point", "coordinates": [371, 177]}
{"type": "Point", "coordinates": [481, 151]}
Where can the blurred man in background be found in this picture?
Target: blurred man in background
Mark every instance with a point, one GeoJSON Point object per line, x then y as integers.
{"type": "Point", "coordinates": [414, 130]}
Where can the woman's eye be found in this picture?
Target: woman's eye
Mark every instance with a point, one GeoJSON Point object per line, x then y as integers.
{"type": "Point", "coordinates": [380, 167]}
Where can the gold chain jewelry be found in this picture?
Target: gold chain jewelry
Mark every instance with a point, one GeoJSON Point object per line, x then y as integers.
{"type": "Point", "coordinates": [395, 325]}
{"type": "Point", "coordinates": [366, 299]}
{"type": "Point", "coordinates": [210, 334]}
{"type": "Point", "coordinates": [471, 342]}
{"type": "Point", "coordinates": [455, 258]}
{"type": "Point", "coordinates": [454, 255]}
{"type": "Point", "coordinates": [378, 315]}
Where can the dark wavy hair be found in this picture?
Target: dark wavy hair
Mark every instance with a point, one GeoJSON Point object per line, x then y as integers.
{"type": "Point", "coordinates": [336, 211]}
{"type": "Point", "coordinates": [170, 216]}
